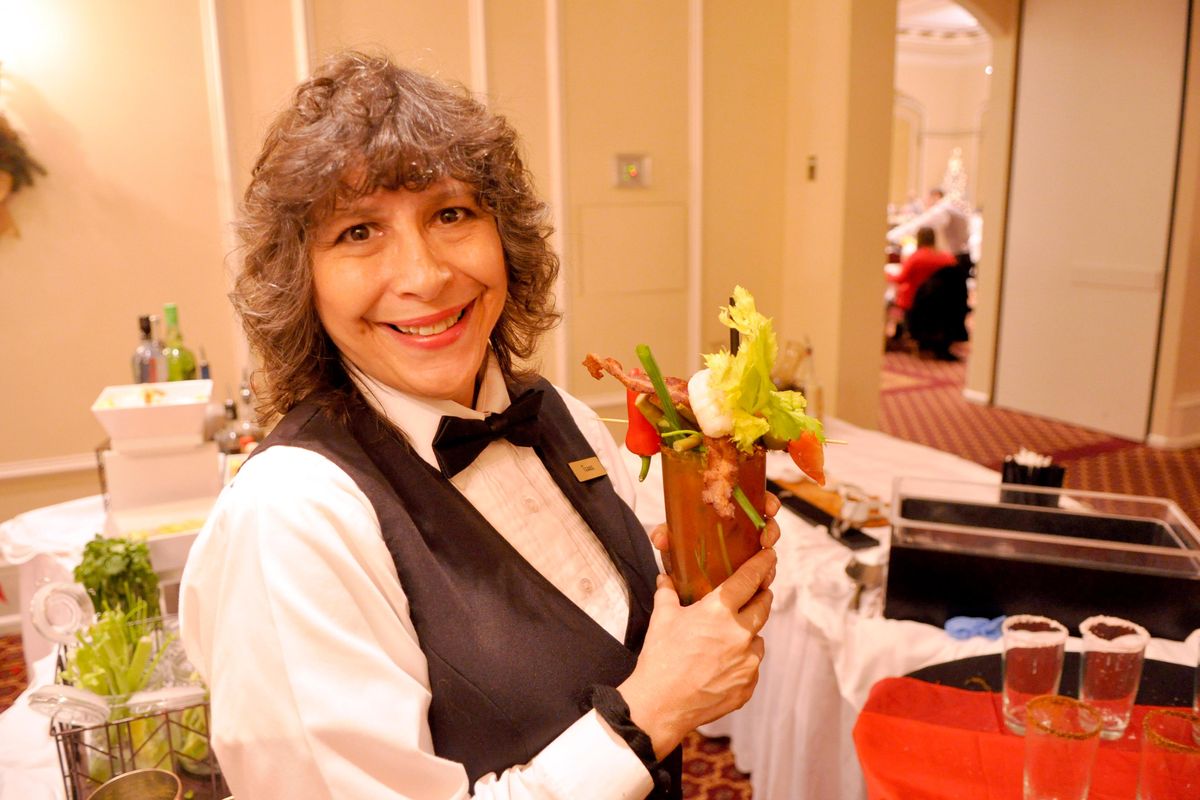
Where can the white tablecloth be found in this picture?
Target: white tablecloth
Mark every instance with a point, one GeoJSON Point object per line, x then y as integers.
{"type": "Point", "coordinates": [822, 658]}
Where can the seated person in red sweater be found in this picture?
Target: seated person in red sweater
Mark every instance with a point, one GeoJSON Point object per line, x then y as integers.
{"type": "Point", "coordinates": [918, 267]}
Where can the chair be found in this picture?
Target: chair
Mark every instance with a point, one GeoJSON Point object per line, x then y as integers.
{"type": "Point", "coordinates": [938, 315]}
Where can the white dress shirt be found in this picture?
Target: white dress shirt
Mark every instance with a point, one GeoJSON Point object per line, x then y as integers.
{"type": "Point", "coordinates": [292, 611]}
{"type": "Point", "coordinates": [946, 219]}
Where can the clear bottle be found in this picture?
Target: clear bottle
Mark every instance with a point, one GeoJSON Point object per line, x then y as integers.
{"type": "Point", "coordinates": [181, 364]}
{"type": "Point", "coordinates": [249, 431]}
{"type": "Point", "coordinates": [148, 363]}
{"type": "Point", "coordinates": [809, 386]}
{"type": "Point", "coordinates": [227, 437]}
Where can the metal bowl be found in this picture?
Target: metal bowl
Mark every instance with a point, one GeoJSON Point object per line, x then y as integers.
{"type": "Point", "coordinates": [142, 784]}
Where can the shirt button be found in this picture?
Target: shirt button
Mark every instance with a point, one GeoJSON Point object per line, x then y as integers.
{"type": "Point", "coordinates": [530, 503]}
{"type": "Point", "coordinates": [586, 585]}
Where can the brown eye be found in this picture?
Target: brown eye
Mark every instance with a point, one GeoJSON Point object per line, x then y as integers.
{"type": "Point", "coordinates": [356, 233]}
{"type": "Point", "coordinates": [448, 216]}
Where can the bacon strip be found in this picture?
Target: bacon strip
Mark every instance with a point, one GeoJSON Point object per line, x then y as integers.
{"type": "Point", "coordinates": [636, 379]}
{"type": "Point", "coordinates": [720, 475]}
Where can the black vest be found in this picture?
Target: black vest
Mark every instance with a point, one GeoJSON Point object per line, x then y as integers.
{"type": "Point", "coordinates": [510, 657]}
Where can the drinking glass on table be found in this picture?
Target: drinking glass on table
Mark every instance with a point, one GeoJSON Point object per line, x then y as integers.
{"type": "Point", "coordinates": [1061, 738]}
{"type": "Point", "coordinates": [1031, 661]}
{"type": "Point", "coordinates": [1110, 668]}
{"type": "Point", "coordinates": [1170, 760]}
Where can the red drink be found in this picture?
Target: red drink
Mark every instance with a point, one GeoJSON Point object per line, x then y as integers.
{"type": "Point", "coordinates": [706, 548]}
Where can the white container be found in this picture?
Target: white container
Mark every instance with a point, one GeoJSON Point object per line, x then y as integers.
{"type": "Point", "coordinates": [151, 416]}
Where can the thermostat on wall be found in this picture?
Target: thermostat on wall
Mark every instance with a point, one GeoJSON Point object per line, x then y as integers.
{"type": "Point", "coordinates": [632, 170]}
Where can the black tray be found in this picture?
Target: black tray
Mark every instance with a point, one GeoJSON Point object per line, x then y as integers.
{"type": "Point", "coordinates": [1162, 684]}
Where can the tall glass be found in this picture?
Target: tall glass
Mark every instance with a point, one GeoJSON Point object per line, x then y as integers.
{"type": "Point", "coordinates": [1110, 668]}
{"type": "Point", "coordinates": [1031, 661]}
{"type": "Point", "coordinates": [706, 548]}
{"type": "Point", "coordinates": [1170, 760]}
{"type": "Point", "coordinates": [1061, 740]}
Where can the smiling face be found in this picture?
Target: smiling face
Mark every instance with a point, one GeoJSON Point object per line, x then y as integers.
{"type": "Point", "coordinates": [409, 285]}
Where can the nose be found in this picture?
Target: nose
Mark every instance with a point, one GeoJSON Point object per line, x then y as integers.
{"type": "Point", "coordinates": [417, 268]}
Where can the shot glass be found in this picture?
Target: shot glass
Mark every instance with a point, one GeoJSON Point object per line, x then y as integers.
{"type": "Point", "coordinates": [1110, 669]}
{"type": "Point", "coordinates": [1031, 661]}
{"type": "Point", "coordinates": [706, 548]}
{"type": "Point", "coordinates": [1170, 761]}
{"type": "Point", "coordinates": [1061, 739]}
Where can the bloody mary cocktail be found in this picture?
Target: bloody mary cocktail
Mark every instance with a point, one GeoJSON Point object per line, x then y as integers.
{"type": "Point", "coordinates": [706, 548]}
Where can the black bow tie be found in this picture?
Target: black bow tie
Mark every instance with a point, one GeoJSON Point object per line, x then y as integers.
{"type": "Point", "coordinates": [459, 441]}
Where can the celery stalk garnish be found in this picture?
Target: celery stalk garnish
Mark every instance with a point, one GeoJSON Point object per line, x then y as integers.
{"type": "Point", "coordinates": [750, 510]}
{"type": "Point", "coordinates": [660, 386]}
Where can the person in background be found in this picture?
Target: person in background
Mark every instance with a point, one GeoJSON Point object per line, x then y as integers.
{"type": "Point", "coordinates": [920, 265]}
{"type": "Point", "coordinates": [379, 609]}
{"type": "Point", "coordinates": [931, 296]}
{"type": "Point", "coordinates": [947, 220]}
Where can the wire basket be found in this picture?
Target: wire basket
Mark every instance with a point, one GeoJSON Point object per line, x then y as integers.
{"type": "Point", "coordinates": [165, 728]}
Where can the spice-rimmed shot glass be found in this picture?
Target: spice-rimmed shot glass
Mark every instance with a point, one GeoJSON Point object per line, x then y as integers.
{"type": "Point", "coordinates": [1110, 668]}
{"type": "Point", "coordinates": [1061, 738]}
{"type": "Point", "coordinates": [1031, 661]}
{"type": "Point", "coordinates": [1170, 761]}
{"type": "Point", "coordinates": [705, 547]}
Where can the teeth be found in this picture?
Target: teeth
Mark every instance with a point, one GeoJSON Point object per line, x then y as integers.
{"type": "Point", "coordinates": [430, 330]}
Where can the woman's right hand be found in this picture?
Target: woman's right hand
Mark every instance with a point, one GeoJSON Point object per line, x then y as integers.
{"type": "Point", "coordinates": [701, 661]}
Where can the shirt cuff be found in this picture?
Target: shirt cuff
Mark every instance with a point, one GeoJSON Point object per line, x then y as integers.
{"type": "Point", "coordinates": [588, 754]}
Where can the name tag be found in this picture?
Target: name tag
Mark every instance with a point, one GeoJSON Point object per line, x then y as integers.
{"type": "Point", "coordinates": [586, 469]}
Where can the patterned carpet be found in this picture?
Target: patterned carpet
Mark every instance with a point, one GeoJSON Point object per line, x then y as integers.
{"type": "Point", "coordinates": [921, 401]}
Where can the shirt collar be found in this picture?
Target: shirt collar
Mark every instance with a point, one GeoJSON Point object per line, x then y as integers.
{"type": "Point", "coordinates": [418, 417]}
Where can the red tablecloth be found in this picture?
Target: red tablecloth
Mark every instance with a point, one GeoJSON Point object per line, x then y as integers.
{"type": "Point", "coordinates": [922, 741]}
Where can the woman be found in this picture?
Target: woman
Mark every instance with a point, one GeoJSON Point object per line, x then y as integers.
{"type": "Point", "coordinates": [376, 614]}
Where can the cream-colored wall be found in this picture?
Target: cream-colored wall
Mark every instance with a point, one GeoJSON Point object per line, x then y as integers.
{"type": "Point", "coordinates": [952, 89]}
{"type": "Point", "coordinates": [1091, 206]}
{"type": "Point", "coordinates": [836, 221]}
{"type": "Point", "coordinates": [126, 219]}
{"type": "Point", "coordinates": [430, 36]}
{"type": "Point", "coordinates": [625, 90]}
{"type": "Point", "coordinates": [518, 75]}
{"type": "Point", "coordinates": [1000, 18]}
{"type": "Point", "coordinates": [745, 113]}
{"type": "Point", "coordinates": [1175, 420]}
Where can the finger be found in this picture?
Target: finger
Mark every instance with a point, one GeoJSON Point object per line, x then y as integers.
{"type": "Point", "coordinates": [664, 592]}
{"type": "Point", "coordinates": [758, 647]}
{"type": "Point", "coordinates": [772, 504]}
{"type": "Point", "coordinates": [747, 579]}
{"type": "Point", "coordinates": [770, 534]}
{"type": "Point", "coordinates": [754, 614]}
{"type": "Point", "coordinates": [659, 538]}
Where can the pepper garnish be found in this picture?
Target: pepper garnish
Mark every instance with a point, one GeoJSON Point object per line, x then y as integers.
{"type": "Point", "coordinates": [641, 437]}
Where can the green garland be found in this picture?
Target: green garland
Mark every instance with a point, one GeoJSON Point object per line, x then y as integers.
{"type": "Point", "coordinates": [15, 159]}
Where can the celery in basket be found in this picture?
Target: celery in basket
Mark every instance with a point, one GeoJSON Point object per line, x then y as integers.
{"type": "Point", "coordinates": [114, 658]}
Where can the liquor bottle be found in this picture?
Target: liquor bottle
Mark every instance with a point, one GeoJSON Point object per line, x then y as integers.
{"type": "Point", "coordinates": [148, 363]}
{"type": "Point", "coordinates": [181, 364]}
{"type": "Point", "coordinates": [809, 386]}
{"type": "Point", "coordinates": [227, 437]}
{"type": "Point", "coordinates": [249, 432]}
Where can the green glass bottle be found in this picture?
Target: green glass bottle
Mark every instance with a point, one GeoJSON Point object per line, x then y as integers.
{"type": "Point", "coordinates": [181, 364]}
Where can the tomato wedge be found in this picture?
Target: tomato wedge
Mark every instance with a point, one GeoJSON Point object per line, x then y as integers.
{"type": "Point", "coordinates": [809, 455]}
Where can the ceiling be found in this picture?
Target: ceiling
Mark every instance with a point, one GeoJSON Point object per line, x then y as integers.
{"type": "Point", "coordinates": [936, 19]}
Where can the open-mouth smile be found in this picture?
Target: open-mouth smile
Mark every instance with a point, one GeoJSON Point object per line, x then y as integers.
{"type": "Point", "coordinates": [431, 327]}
